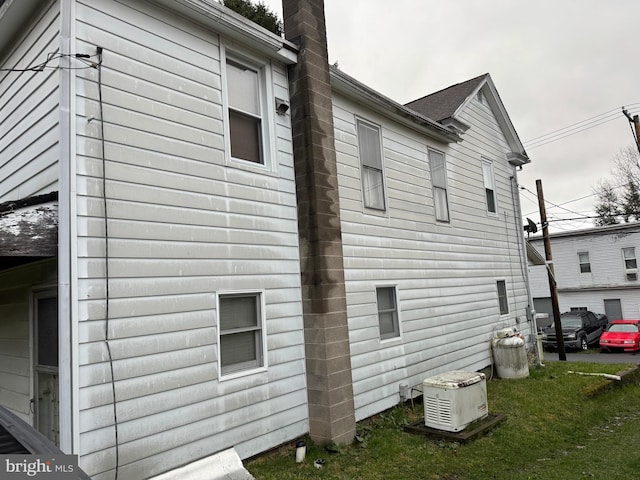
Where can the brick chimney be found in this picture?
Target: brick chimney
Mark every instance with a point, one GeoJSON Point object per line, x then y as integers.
{"type": "Point", "coordinates": [329, 381]}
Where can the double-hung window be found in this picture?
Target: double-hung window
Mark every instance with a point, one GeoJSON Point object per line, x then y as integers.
{"type": "Point", "coordinates": [387, 313]}
{"type": "Point", "coordinates": [245, 108]}
{"type": "Point", "coordinates": [439, 182]}
{"type": "Point", "coordinates": [629, 255]}
{"type": "Point", "coordinates": [503, 301]}
{"type": "Point", "coordinates": [585, 264]}
{"type": "Point", "coordinates": [370, 146]}
{"type": "Point", "coordinates": [241, 332]}
{"type": "Point", "coordinates": [489, 186]}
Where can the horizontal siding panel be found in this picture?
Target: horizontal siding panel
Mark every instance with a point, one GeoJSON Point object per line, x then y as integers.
{"type": "Point", "coordinates": [28, 116]}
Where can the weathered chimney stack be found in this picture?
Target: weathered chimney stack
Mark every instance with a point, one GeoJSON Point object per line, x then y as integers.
{"type": "Point", "coordinates": [329, 381]}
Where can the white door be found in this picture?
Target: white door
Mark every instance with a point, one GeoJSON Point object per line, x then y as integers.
{"type": "Point", "coordinates": [45, 350]}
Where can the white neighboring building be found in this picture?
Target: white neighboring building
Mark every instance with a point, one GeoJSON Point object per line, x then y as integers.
{"type": "Point", "coordinates": [596, 269]}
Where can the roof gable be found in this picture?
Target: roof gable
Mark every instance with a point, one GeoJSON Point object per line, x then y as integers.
{"type": "Point", "coordinates": [446, 105]}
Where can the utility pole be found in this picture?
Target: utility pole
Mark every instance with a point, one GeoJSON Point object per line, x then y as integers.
{"type": "Point", "coordinates": [553, 287]}
{"type": "Point", "coordinates": [635, 126]}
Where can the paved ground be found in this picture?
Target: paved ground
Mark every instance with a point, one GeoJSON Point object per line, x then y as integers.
{"type": "Point", "coordinates": [593, 355]}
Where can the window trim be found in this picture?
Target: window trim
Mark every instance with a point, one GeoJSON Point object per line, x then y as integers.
{"type": "Point", "coordinates": [267, 110]}
{"type": "Point", "coordinates": [582, 263]}
{"type": "Point", "coordinates": [445, 188]}
{"type": "Point", "coordinates": [369, 124]}
{"type": "Point", "coordinates": [625, 259]}
{"type": "Point", "coordinates": [505, 296]}
{"type": "Point", "coordinates": [262, 335]}
{"type": "Point", "coordinates": [397, 333]}
{"type": "Point", "coordinates": [486, 163]}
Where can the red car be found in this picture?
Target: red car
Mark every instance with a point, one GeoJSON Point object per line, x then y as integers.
{"type": "Point", "coordinates": [621, 335]}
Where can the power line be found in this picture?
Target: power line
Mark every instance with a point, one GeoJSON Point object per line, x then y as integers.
{"type": "Point", "coordinates": [574, 128]}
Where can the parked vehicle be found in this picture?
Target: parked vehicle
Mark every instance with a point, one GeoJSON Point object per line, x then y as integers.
{"type": "Point", "coordinates": [621, 335]}
{"type": "Point", "coordinates": [580, 330]}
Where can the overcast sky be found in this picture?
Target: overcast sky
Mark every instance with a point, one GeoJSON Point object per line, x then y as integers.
{"type": "Point", "coordinates": [555, 63]}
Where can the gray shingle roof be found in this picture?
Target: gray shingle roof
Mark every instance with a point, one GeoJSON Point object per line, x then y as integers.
{"type": "Point", "coordinates": [444, 103]}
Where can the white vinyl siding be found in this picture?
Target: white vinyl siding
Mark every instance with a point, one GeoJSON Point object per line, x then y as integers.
{"type": "Point", "coordinates": [29, 115]}
{"type": "Point", "coordinates": [184, 223]}
{"type": "Point", "coordinates": [369, 143]}
{"type": "Point", "coordinates": [439, 184]}
{"type": "Point", "coordinates": [16, 293]}
{"type": "Point", "coordinates": [446, 272]}
{"type": "Point", "coordinates": [609, 276]}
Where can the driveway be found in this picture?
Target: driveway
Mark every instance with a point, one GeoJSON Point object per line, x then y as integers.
{"type": "Point", "coordinates": [594, 356]}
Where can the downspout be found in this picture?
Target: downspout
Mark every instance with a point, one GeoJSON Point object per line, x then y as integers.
{"type": "Point", "coordinates": [67, 240]}
{"type": "Point", "coordinates": [531, 317]}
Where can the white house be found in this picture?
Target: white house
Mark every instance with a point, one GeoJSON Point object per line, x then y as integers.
{"type": "Point", "coordinates": [174, 281]}
{"type": "Point", "coordinates": [124, 346]}
{"type": "Point", "coordinates": [595, 269]}
{"type": "Point", "coordinates": [433, 241]}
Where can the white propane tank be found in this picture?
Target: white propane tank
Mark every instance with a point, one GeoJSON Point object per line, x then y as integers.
{"type": "Point", "coordinates": [510, 357]}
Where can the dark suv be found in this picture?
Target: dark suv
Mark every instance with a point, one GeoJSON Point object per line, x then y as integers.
{"type": "Point", "coordinates": [579, 330]}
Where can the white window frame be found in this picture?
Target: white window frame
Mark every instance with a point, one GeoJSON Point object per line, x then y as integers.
{"type": "Point", "coordinates": [440, 192]}
{"type": "Point", "coordinates": [248, 368]}
{"type": "Point", "coordinates": [266, 109]}
{"type": "Point", "coordinates": [585, 266]}
{"type": "Point", "coordinates": [366, 165]}
{"type": "Point", "coordinates": [395, 312]}
{"type": "Point", "coordinates": [505, 311]}
{"type": "Point", "coordinates": [489, 180]}
{"type": "Point", "coordinates": [629, 261]}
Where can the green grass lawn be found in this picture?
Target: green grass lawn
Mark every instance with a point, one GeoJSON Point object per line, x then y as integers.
{"type": "Point", "coordinates": [554, 430]}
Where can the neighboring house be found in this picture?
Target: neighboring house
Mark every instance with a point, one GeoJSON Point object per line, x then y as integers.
{"type": "Point", "coordinates": [595, 269]}
{"type": "Point", "coordinates": [433, 242]}
{"type": "Point", "coordinates": [168, 324]}
{"type": "Point", "coordinates": [174, 281]}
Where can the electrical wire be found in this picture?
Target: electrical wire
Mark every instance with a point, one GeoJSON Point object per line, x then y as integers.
{"type": "Point", "coordinates": [51, 56]}
{"type": "Point", "coordinates": [574, 128]}
{"type": "Point", "coordinates": [106, 261]}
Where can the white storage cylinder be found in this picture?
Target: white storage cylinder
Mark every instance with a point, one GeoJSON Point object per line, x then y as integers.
{"type": "Point", "coordinates": [510, 357]}
{"type": "Point", "coordinates": [454, 399]}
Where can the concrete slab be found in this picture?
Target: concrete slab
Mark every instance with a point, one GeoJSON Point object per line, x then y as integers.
{"type": "Point", "coordinates": [476, 430]}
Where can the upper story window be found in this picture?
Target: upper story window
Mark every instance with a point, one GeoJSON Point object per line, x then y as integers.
{"type": "Point", "coordinates": [439, 182]}
{"type": "Point", "coordinates": [241, 328]}
{"type": "Point", "coordinates": [629, 255]}
{"type": "Point", "coordinates": [489, 185]}
{"type": "Point", "coordinates": [370, 146]}
{"type": "Point", "coordinates": [247, 129]}
{"type": "Point", "coordinates": [585, 265]}
{"type": "Point", "coordinates": [387, 313]}
{"type": "Point", "coordinates": [503, 300]}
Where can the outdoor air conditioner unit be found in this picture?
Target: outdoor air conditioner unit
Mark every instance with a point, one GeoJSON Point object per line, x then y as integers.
{"type": "Point", "coordinates": [632, 274]}
{"type": "Point", "coordinates": [454, 399]}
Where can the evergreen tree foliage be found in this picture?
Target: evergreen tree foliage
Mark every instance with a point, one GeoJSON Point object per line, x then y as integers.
{"type": "Point", "coordinates": [607, 205]}
{"type": "Point", "coordinates": [258, 13]}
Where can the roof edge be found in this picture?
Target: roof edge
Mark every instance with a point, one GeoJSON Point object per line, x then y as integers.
{"type": "Point", "coordinates": [348, 85]}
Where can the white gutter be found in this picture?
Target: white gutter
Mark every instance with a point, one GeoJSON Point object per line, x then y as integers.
{"type": "Point", "coordinates": [233, 25]}
{"type": "Point", "coordinates": [347, 85]}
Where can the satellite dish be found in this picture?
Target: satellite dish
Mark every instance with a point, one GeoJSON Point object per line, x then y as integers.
{"type": "Point", "coordinates": [530, 227]}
